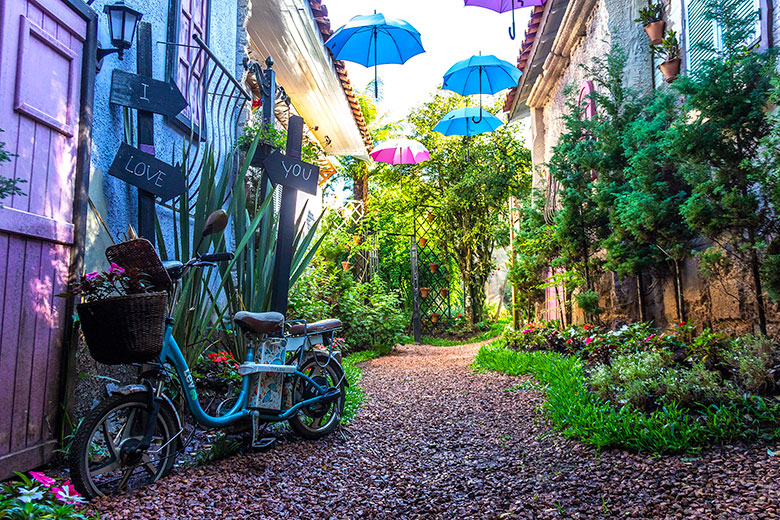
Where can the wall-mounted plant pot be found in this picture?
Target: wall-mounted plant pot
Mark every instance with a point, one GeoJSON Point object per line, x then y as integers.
{"type": "Point", "coordinates": [655, 31]}
{"type": "Point", "coordinates": [431, 216]}
{"type": "Point", "coordinates": [670, 69]}
{"type": "Point", "coordinates": [262, 151]}
{"type": "Point", "coordinates": [424, 291]}
{"type": "Point", "coordinates": [423, 241]}
{"type": "Point", "coordinates": [346, 265]}
{"type": "Point", "coordinates": [435, 317]}
{"type": "Point", "coordinates": [444, 291]}
{"type": "Point", "coordinates": [357, 239]}
{"type": "Point", "coordinates": [434, 267]}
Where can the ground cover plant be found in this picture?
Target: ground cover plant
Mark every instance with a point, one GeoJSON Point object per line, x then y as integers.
{"type": "Point", "coordinates": [644, 389]}
{"type": "Point", "coordinates": [40, 497]}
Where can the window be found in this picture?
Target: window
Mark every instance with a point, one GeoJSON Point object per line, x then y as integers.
{"type": "Point", "coordinates": [700, 31]}
{"type": "Point", "coordinates": [186, 62]}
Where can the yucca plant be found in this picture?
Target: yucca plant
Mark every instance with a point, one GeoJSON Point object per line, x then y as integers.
{"type": "Point", "coordinates": [209, 297]}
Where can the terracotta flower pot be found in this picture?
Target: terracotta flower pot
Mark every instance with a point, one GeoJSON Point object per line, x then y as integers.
{"type": "Point", "coordinates": [346, 265]}
{"type": "Point", "coordinates": [435, 317]}
{"type": "Point", "coordinates": [444, 291]}
{"type": "Point", "coordinates": [431, 216]}
{"type": "Point", "coordinates": [424, 292]}
{"type": "Point", "coordinates": [356, 239]}
{"type": "Point", "coordinates": [434, 267]}
{"type": "Point", "coordinates": [423, 241]}
{"type": "Point", "coordinates": [670, 69]}
{"type": "Point", "coordinates": [655, 31]}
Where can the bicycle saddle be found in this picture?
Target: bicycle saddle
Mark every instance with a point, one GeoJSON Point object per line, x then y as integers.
{"type": "Point", "coordinates": [259, 322]}
{"type": "Point", "coordinates": [315, 328]}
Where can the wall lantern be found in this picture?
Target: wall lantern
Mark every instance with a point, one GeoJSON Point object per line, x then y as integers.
{"type": "Point", "coordinates": [122, 22]}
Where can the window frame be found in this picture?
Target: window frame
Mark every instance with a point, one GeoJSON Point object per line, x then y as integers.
{"type": "Point", "coordinates": [181, 121]}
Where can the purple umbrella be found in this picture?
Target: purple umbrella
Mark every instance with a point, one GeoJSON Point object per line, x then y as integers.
{"type": "Point", "coordinates": [400, 151]}
{"type": "Point", "coordinates": [502, 6]}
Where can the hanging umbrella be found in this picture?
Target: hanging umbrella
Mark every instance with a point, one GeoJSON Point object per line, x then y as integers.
{"type": "Point", "coordinates": [502, 6]}
{"type": "Point", "coordinates": [373, 39]}
{"type": "Point", "coordinates": [400, 151]}
{"type": "Point", "coordinates": [461, 122]}
{"type": "Point", "coordinates": [481, 75]}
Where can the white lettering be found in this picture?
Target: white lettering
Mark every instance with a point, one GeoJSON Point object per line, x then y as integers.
{"type": "Point", "coordinates": [297, 170]}
{"type": "Point", "coordinates": [286, 169]}
{"type": "Point", "coordinates": [144, 98]}
{"type": "Point", "coordinates": [307, 174]}
{"type": "Point", "coordinates": [160, 175]}
{"type": "Point", "coordinates": [143, 169]}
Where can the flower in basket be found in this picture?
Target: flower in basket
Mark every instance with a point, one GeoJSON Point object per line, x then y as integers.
{"type": "Point", "coordinates": [117, 281]}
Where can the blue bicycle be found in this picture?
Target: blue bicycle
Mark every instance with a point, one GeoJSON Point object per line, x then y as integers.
{"type": "Point", "coordinates": [133, 437]}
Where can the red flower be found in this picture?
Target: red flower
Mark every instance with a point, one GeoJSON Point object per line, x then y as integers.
{"type": "Point", "coordinates": [256, 103]}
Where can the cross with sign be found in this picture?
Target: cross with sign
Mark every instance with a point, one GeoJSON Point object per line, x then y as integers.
{"type": "Point", "coordinates": [144, 93]}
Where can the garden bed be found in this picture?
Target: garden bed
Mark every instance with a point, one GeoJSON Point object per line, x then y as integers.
{"type": "Point", "coordinates": [647, 390]}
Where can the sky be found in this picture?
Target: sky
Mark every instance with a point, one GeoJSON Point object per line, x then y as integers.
{"type": "Point", "coordinates": [450, 33]}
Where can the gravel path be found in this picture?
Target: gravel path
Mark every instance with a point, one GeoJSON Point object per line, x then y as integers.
{"type": "Point", "coordinates": [436, 441]}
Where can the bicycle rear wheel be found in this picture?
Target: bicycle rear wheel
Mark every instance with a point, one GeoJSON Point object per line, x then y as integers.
{"type": "Point", "coordinates": [103, 458]}
{"type": "Point", "coordinates": [320, 419]}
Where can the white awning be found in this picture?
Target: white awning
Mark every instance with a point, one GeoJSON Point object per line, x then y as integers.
{"type": "Point", "coordinates": [286, 31]}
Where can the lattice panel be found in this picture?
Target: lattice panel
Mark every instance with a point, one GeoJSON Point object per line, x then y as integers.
{"type": "Point", "coordinates": [435, 271]}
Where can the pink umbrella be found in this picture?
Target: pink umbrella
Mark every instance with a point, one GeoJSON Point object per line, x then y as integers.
{"type": "Point", "coordinates": [502, 6]}
{"type": "Point", "coordinates": [400, 151]}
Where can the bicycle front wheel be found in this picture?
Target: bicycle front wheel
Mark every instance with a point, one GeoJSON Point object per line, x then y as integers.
{"type": "Point", "coordinates": [104, 459]}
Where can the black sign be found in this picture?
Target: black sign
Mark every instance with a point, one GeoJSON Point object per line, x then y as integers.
{"type": "Point", "coordinates": [291, 172]}
{"type": "Point", "coordinates": [144, 93]}
{"type": "Point", "coordinates": [147, 172]}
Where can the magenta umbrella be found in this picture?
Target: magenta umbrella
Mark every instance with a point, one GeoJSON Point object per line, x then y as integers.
{"type": "Point", "coordinates": [502, 6]}
{"type": "Point", "coordinates": [401, 151]}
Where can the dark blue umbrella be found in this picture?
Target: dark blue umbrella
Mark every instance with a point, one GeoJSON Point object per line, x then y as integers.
{"type": "Point", "coordinates": [373, 39]}
{"type": "Point", "coordinates": [481, 75]}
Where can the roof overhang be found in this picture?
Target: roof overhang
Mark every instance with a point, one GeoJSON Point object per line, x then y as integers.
{"type": "Point", "coordinates": [543, 42]}
{"type": "Point", "coordinates": [286, 31]}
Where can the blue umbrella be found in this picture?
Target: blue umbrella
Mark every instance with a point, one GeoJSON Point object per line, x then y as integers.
{"type": "Point", "coordinates": [461, 122]}
{"type": "Point", "coordinates": [373, 39]}
{"type": "Point", "coordinates": [481, 75]}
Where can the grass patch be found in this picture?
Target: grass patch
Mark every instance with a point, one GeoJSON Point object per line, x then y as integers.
{"type": "Point", "coordinates": [494, 331]}
{"type": "Point", "coordinates": [577, 413]}
{"type": "Point", "coordinates": [355, 395]}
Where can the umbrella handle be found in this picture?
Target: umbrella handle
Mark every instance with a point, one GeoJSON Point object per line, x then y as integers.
{"type": "Point", "coordinates": [474, 119]}
{"type": "Point", "coordinates": [512, 31]}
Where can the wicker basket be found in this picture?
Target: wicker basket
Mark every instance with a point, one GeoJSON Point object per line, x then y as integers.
{"type": "Point", "coordinates": [124, 329]}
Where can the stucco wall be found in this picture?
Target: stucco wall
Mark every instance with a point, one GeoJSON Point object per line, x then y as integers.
{"type": "Point", "coordinates": [115, 200]}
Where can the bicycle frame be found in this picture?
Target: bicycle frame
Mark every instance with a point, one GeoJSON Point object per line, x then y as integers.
{"type": "Point", "coordinates": [171, 353]}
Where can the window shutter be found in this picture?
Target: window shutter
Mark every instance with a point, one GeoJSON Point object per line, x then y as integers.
{"type": "Point", "coordinates": [700, 32]}
{"type": "Point", "coordinates": [189, 67]}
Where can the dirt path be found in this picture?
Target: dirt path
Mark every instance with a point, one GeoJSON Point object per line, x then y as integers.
{"type": "Point", "coordinates": [436, 441]}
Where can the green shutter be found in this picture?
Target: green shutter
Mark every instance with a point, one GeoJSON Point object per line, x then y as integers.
{"type": "Point", "coordinates": [701, 32]}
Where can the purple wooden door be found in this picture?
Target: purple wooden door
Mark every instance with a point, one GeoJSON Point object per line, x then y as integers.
{"type": "Point", "coordinates": [41, 50]}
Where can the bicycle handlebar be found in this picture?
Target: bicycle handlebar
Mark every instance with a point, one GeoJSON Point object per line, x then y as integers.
{"type": "Point", "coordinates": [217, 257]}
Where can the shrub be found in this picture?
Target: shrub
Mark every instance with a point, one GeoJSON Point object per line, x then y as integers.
{"type": "Point", "coordinates": [372, 317]}
{"type": "Point", "coordinates": [39, 496]}
{"type": "Point", "coordinates": [754, 361]}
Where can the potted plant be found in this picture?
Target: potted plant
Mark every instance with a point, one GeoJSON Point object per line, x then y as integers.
{"type": "Point", "coordinates": [423, 241]}
{"type": "Point", "coordinates": [270, 138]}
{"type": "Point", "coordinates": [424, 292]}
{"type": "Point", "coordinates": [669, 51]}
{"type": "Point", "coordinates": [356, 239]}
{"type": "Point", "coordinates": [435, 317]}
{"type": "Point", "coordinates": [345, 265]}
{"type": "Point", "coordinates": [652, 18]}
{"type": "Point", "coordinates": [444, 291]}
{"type": "Point", "coordinates": [434, 267]}
{"type": "Point", "coordinates": [431, 217]}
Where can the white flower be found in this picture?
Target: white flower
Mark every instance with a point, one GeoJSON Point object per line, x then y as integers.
{"type": "Point", "coordinates": [27, 495]}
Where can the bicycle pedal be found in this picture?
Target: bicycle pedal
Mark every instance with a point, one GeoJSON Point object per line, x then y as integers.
{"type": "Point", "coordinates": [332, 394]}
{"type": "Point", "coordinates": [264, 443]}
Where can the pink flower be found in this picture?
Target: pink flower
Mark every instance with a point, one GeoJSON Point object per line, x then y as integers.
{"type": "Point", "coordinates": [587, 327]}
{"type": "Point", "coordinates": [43, 479]}
{"type": "Point", "coordinates": [526, 331]}
{"type": "Point", "coordinates": [651, 336]}
{"type": "Point", "coordinates": [588, 341]}
{"type": "Point", "coordinates": [116, 269]}
{"type": "Point", "coordinates": [67, 493]}
{"type": "Point", "coordinates": [91, 276]}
